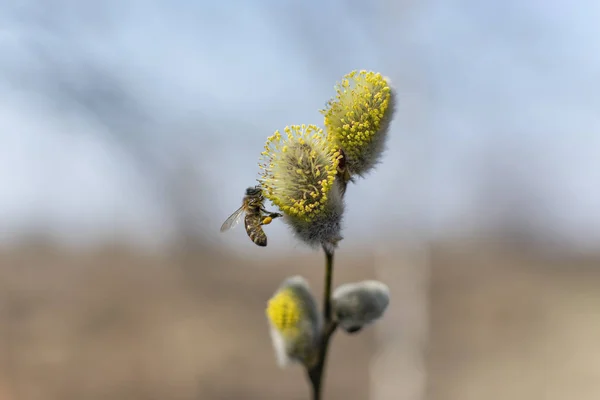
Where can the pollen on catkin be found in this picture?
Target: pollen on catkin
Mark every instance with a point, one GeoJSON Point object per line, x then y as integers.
{"type": "Point", "coordinates": [298, 175]}
{"type": "Point", "coordinates": [294, 322]}
{"type": "Point", "coordinates": [360, 303]}
{"type": "Point", "coordinates": [358, 118]}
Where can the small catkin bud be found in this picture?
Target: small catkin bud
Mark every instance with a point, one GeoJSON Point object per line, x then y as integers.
{"type": "Point", "coordinates": [298, 175]}
{"type": "Point", "coordinates": [358, 304]}
{"type": "Point", "coordinates": [358, 119]}
{"type": "Point", "coordinates": [295, 322]}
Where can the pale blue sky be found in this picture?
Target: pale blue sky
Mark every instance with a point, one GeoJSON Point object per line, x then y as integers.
{"type": "Point", "coordinates": [514, 85]}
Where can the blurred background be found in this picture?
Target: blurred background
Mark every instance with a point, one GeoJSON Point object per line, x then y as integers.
{"type": "Point", "coordinates": [129, 131]}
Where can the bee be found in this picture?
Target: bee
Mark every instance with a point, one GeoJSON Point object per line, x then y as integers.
{"type": "Point", "coordinates": [255, 216]}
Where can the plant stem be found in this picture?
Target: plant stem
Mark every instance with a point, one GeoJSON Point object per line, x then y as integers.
{"type": "Point", "coordinates": [315, 374]}
{"type": "Point", "coordinates": [327, 289]}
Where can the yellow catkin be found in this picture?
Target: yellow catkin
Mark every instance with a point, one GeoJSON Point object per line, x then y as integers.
{"type": "Point", "coordinates": [298, 170]}
{"type": "Point", "coordinates": [355, 116]}
{"type": "Point", "coordinates": [285, 312]}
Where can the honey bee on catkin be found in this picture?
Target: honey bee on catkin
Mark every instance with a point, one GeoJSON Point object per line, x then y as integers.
{"type": "Point", "coordinates": [255, 216]}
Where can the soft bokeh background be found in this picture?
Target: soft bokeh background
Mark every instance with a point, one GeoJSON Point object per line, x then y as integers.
{"type": "Point", "coordinates": [129, 131]}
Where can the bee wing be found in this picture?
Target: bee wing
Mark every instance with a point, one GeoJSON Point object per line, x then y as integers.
{"type": "Point", "coordinates": [233, 219]}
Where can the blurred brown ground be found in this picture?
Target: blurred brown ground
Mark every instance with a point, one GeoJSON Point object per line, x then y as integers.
{"type": "Point", "coordinates": [112, 324]}
{"type": "Point", "coordinates": [513, 325]}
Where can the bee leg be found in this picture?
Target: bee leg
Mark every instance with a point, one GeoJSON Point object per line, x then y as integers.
{"type": "Point", "coordinates": [269, 218]}
{"type": "Point", "coordinates": [273, 215]}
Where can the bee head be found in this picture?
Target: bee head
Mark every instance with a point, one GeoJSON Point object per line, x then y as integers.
{"type": "Point", "coordinates": [253, 191]}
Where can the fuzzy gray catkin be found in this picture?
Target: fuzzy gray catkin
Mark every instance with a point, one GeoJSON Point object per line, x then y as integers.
{"type": "Point", "coordinates": [358, 304]}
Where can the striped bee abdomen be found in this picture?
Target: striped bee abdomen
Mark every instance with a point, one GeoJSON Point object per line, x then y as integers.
{"type": "Point", "coordinates": [254, 229]}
